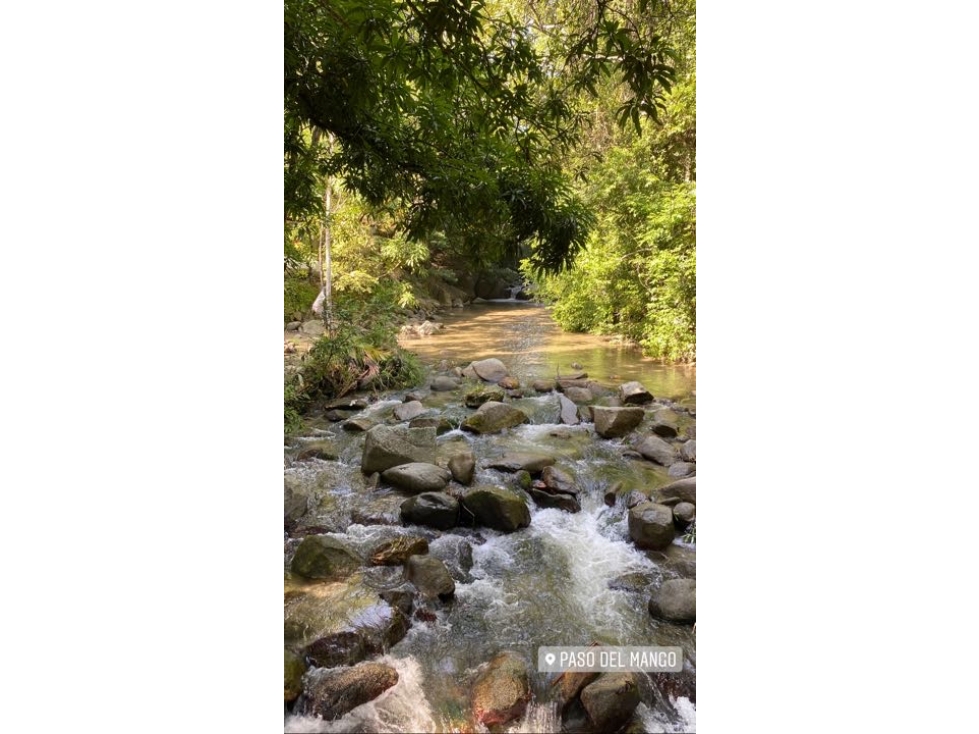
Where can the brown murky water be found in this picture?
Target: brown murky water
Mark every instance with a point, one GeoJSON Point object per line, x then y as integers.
{"type": "Point", "coordinates": [534, 347]}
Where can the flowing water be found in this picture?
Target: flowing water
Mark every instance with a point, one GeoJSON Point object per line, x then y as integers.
{"type": "Point", "coordinates": [549, 584]}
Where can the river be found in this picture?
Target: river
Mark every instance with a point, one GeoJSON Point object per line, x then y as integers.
{"type": "Point", "coordinates": [567, 579]}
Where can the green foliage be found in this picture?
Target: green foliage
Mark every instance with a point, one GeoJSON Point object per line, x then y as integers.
{"type": "Point", "coordinates": [299, 295]}
{"type": "Point", "coordinates": [362, 354]}
{"type": "Point", "coordinates": [457, 112]}
{"type": "Point", "coordinates": [690, 536]}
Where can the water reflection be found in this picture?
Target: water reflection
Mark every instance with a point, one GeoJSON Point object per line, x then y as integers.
{"type": "Point", "coordinates": [534, 347]}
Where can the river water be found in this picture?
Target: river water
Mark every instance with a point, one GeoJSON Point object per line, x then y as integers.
{"type": "Point", "coordinates": [558, 582]}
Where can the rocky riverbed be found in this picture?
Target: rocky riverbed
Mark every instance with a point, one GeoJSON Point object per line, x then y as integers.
{"type": "Point", "coordinates": [435, 537]}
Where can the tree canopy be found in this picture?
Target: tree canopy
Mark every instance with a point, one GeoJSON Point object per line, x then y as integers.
{"type": "Point", "coordinates": [462, 114]}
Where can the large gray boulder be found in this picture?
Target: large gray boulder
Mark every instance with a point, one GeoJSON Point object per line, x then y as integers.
{"type": "Point", "coordinates": [323, 557]}
{"type": "Point", "coordinates": [502, 691]}
{"type": "Point", "coordinates": [493, 417]}
{"type": "Point", "coordinates": [651, 525]}
{"type": "Point", "coordinates": [558, 481]}
{"type": "Point", "coordinates": [657, 450]}
{"type": "Point", "coordinates": [610, 700]}
{"type": "Point", "coordinates": [409, 410]}
{"type": "Point", "coordinates": [633, 393]}
{"type": "Point", "coordinates": [688, 451]}
{"type": "Point", "coordinates": [578, 394]}
{"type": "Point", "coordinates": [684, 490]}
{"type": "Point", "coordinates": [569, 411]}
{"type": "Point", "coordinates": [497, 508]}
{"type": "Point", "coordinates": [430, 576]}
{"type": "Point", "coordinates": [616, 422]}
{"type": "Point", "coordinates": [490, 370]}
{"type": "Point", "coordinates": [333, 692]}
{"type": "Point", "coordinates": [387, 446]}
{"type": "Point", "coordinates": [432, 509]}
{"type": "Point", "coordinates": [514, 461]}
{"type": "Point", "coordinates": [417, 477]}
{"type": "Point", "coordinates": [682, 469]}
{"type": "Point", "coordinates": [675, 601]}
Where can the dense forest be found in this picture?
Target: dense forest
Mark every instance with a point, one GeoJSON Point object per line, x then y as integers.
{"type": "Point", "coordinates": [433, 141]}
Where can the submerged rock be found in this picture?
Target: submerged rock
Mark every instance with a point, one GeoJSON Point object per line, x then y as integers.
{"type": "Point", "coordinates": [443, 383]}
{"type": "Point", "coordinates": [323, 450]}
{"type": "Point", "coordinates": [432, 509]}
{"type": "Point", "coordinates": [497, 508]}
{"type": "Point", "coordinates": [616, 422]}
{"type": "Point", "coordinates": [675, 601]}
{"type": "Point", "coordinates": [294, 670]}
{"type": "Point", "coordinates": [417, 477]}
{"type": "Point", "coordinates": [323, 557]}
{"type": "Point", "coordinates": [388, 446]}
{"type": "Point", "coordinates": [440, 424]}
{"type": "Point", "coordinates": [502, 691]}
{"type": "Point", "coordinates": [610, 700]}
{"type": "Point", "coordinates": [544, 385]}
{"type": "Point", "coordinates": [345, 647]}
{"type": "Point", "coordinates": [331, 693]}
{"type": "Point", "coordinates": [651, 525]}
{"type": "Point", "coordinates": [493, 417]}
{"type": "Point", "coordinates": [457, 555]}
{"type": "Point", "coordinates": [477, 397]}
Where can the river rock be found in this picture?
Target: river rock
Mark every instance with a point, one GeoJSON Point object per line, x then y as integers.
{"type": "Point", "coordinates": [616, 422]}
{"type": "Point", "coordinates": [675, 601]}
{"type": "Point", "coordinates": [569, 411]}
{"type": "Point", "coordinates": [688, 451]}
{"type": "Point", "coordinates": [610, 700]}
{"type": "Point", "coordinates": [664, 430]}
{"type": "Point", "coordinates": [657, 450]}
{"type": "Point", "coordinates": [565, 502]}
{"type": "Point", "coordinates": [396, 551]}
{"type": "Point", "coordinates": [432, 509]}
{"type": "Point", "coordinates": [682, 469]}
{"type": "Point", "coordinates": [490, 370]}
{"type": "Point", "coordinates": [497, 508]}
{"type": "Point", "coordinates": [294, 669]}
{"type": "Point", "coordinates": [443, 383]}
{"type": "Point", "coordinates": [358, 425]}
{"type": "Point", "coordinates": [313, 327]}
{"type": "Point", "coordinates": [323, 450]}
{"type": "Point", "coordinates": [502, 691]}
{"type": "Point", "coordinates": [475, 398]}
{"type": "Point", "coordinates": [323, 557]}
{"type": "Point", "coordinates": [684, 490]}
{"type": "Point", "coordinates": [417, 477]}
{"type": "Point", "coordinates": [633, 393]}
{"type": "Point", "coordinates": [440, 424]}
{"type": "Point", "coordinates": [568, 685]}
{"type": "Point", "coordinates": [544, 385]}
{"type": "Point", "coordinates": [684, 513]}
{"type": "Point", "coordinates": [407, 411]}
{"type": "Point", "coordinates": [651, 525]}
{"type": "Point", "coordinates": [388, 446]}
{"type": "Point", "coordinates": [579, 394]}
{"type": "Point", "coordinates": [333, 692]}
{"type": "Point", "coordinates": [558, 481]}
{"type": "Point", "coordinates": [634, 498]}
{"type": "Point", "coordinates": [345, 647]}
{"type": "Point", "coordinates": [493, 417]}
{"type": "Point", "coordinates": [430, 577]}
{"type": "Point", "coordinates": [296, 505]}
{"type": "Point", "coordinates": [462, 467]}
{"type": "Point", "coordinates": [517, 460]}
